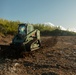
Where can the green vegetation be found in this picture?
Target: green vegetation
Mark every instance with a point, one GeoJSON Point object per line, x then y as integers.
{"type": "Point", "coordinates": [53, 31]}
{"type": "Point", "coordinates": [10, 27]}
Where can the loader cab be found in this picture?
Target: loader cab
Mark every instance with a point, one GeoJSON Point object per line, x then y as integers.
{"type": "Point", "coordinates": [25, 29]}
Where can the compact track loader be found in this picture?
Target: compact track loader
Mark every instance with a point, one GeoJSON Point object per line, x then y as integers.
{"type": "Point", "coordinates": [27, 39]}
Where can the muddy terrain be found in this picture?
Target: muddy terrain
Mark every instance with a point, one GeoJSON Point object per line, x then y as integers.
{"type": "Point", "coordinates": [57, 56]}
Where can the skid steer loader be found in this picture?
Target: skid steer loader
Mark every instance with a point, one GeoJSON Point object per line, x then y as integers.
{"type": "Point", "coordinates": [27, 39]}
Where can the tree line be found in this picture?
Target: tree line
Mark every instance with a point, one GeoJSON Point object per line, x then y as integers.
{"type": "Point", "coordinates": [11, 27]}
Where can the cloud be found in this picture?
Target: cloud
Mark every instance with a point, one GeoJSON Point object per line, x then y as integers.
{"type": "Point", "coordinates": [62, 28]}
{"type": "Point", "coordinates": [49, 23]}
{"type": "Point", "coordinates": [72, 29]}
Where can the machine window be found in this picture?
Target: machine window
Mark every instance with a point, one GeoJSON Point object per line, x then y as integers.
{"type": "Point", "coordinates": [22, 30]}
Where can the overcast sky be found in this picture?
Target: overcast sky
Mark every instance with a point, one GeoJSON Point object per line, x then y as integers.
{"type": "Point", "coordinates": [58, 12]}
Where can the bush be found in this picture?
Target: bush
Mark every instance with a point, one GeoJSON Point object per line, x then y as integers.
{"type": "Point", "coordinates": [2, 29]}
{"type": "Point", "coordinates": [8, 27]}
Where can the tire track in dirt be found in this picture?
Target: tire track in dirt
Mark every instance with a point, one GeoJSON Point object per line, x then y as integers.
{"type": "Point", "coordinates": [50, 42]}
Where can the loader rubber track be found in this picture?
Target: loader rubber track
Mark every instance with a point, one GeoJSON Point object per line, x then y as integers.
{"type": "Point", "coordinates": [28, 45]}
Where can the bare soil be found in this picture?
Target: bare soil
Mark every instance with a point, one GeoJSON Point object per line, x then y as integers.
{"type": "Point", "coordinates": [57, 56]}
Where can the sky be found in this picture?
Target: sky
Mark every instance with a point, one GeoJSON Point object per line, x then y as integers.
{"type": "Point", "coordinates": [58, 12]}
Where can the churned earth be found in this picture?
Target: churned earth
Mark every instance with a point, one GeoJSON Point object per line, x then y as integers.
{"type": "Point", "coordinates": [57, 56]}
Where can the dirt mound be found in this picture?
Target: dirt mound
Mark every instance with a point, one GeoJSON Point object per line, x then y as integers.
{"type": "Point", "coordinates": [57, 56]}
{"type": "Point", "coordinates": [5, 39]}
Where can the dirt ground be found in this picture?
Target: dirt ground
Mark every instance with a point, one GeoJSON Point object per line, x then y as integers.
{"type": "Point", "coordinates": [57, 56]}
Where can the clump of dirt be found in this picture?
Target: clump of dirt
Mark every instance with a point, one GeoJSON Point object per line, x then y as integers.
{"type": "Point", "coordinates": [57, 56]}
{"type": "Point", "coordinates": [5, 39]}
